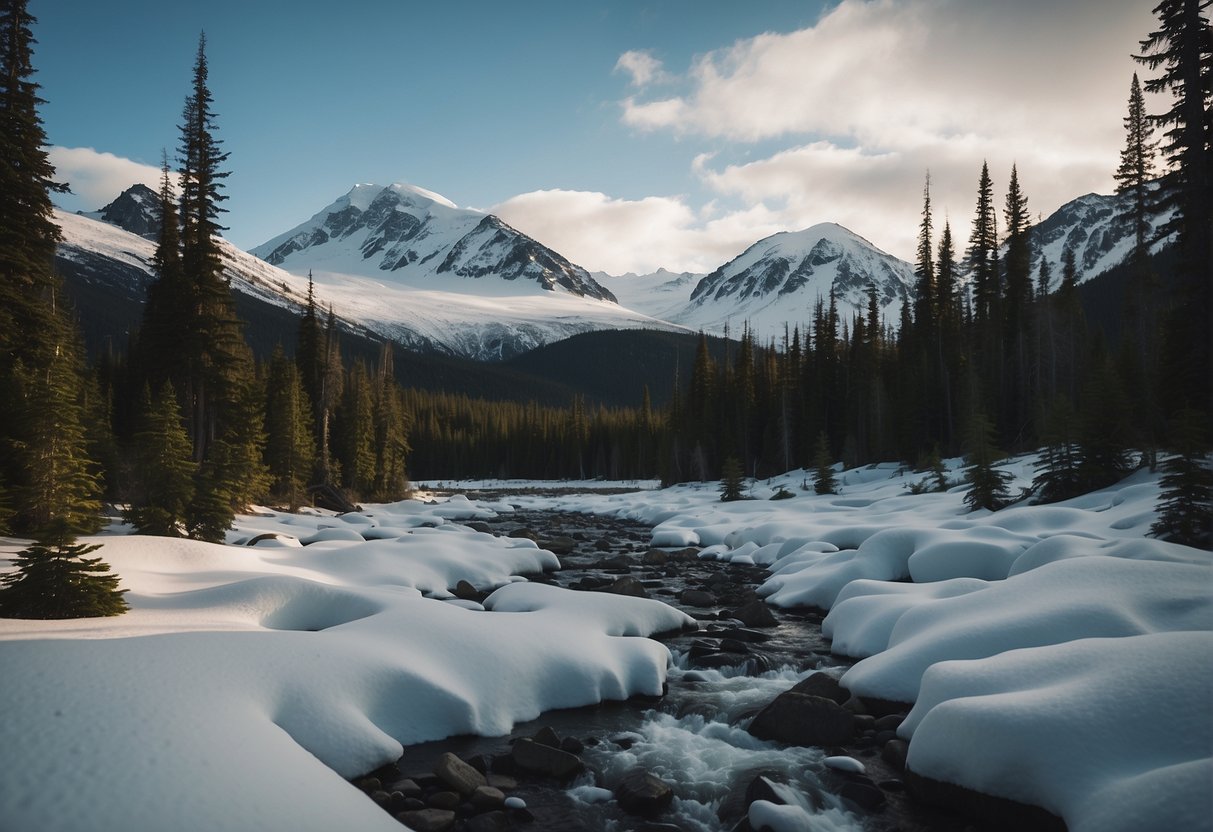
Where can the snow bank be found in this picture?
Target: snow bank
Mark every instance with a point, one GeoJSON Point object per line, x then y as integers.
{"type": "Point", "coordinates": [1113, 735]}
{"type": "Point", "coordinates": [247, 682]}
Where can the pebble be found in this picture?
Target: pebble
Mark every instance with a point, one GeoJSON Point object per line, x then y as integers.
{"type": "Point", "coordinates": [515, 803]}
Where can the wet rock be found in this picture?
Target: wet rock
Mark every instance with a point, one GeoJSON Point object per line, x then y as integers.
{"type": "Point", "coordinates": [732, 645]}
{"type": "Point", "coordinates": [412, 804]}
{"type": "Point", "coordinates": [800, 719]}
{"type": "Point", "coordinates": [443, 800]}
{"type": "Point", "coordinates": [559, 545]}
{"type": "Point", "coordinates": [865, 724]}
{"type": "Point", "coordinates": [762, 787]}
{"type": "Point", "coordinates": [466, 591]}
{"type": "Point", "coordinates": [642, 793]}
{"type": "Point", "coordinates": [408, 787]}
{"type": "Point", "coordinates": [457, 774]}
{"type": "Point", "coordinates": [572, 745]}
{"type": "Point", "coordinates": [502, 781]}
{"type": "Point", "coordinates": [547, 736]}
{"type": "Point", "coordinates": [997, 812]}
{"type": "Point", "coordinates": [381, 797]}
{"type": "Point", "coordinates": [697, 598]}
{"type": "Point", "coordinates": [370, 784]}
{"type": "Point", "coordinates": [864, 794]}
{"type": "Point", "coordinates": [479, 526]}
{"type": "Point", "coordinates": [515, 803]}
{"type": "Point", "coordinates": [542, 759]}
{"type": "Point", "coordinates": [884, 736]}
{"type": "Point", "coordinates": [655, 557]}
{"type": "Point", "coordinates": [823, 685]}
{"type": "Point", "coordinates": [755, 614]}
{"type": "Point", "coordinates": [627, 585]}
{"type": "Point", "coordinates": [602, 544]}
{"type": "Point", "coordinates": [855, 705]}
{"type": "Point", "coordinates": [486, 798]}
{"type": "Point", "coordinates": [616, 562]}
{"type": "Point", "coordinates": [524, 532]}
{"type": "Point", "coordinates": [428, 820]}
{"type": "Point", "coordinates": [743, 634]}
{"type": "Point", "coordinates": [890, 722]}
{"type": "Point", "coordinates": [894, 753]}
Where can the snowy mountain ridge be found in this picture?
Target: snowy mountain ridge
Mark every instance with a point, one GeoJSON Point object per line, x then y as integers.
{"type": "Point", "coordinates": [413, 236]}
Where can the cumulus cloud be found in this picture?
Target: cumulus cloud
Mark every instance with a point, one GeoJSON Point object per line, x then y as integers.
{"type": "Point", "coordinates": [603, 233]}
{"type": "Point", "coordinates": [878, 91]}
{"type": "Point", "coordinates": [96, 177]}
{"type": "Point", "coordinates": [642, 66]}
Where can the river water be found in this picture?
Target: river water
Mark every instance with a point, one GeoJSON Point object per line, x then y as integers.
{"type": "Point", "coordinates": [692, 738]}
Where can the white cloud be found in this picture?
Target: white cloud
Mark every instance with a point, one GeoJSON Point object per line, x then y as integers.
{"type": "Point", "coordinates": [618, 236]}
{"type": "Point", "coordinates": [642, 66]}
{"type": "Point", "coordinates": [96, 177]}
{"type": "Point", "coordinates": [878, 91]}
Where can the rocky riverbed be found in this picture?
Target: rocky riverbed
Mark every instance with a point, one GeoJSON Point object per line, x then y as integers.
{"type": "Point", "coordinates": [694, 759]}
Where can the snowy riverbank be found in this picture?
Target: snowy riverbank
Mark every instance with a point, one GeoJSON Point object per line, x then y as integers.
{"type": "Point", "coordinates": [1055, 655]}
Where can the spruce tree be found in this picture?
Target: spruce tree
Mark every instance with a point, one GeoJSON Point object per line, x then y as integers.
{"type": "Point", "coordinates": [1181, 50]}
{"type": "Point", "coordinates": [165, 470]}
{"type": "Point", "coordinates": [1136, 170]}
{"type": "Point", "coordinates": [925, 302]}
{"type": "Point", "coordinates": [732, 480]}
{"type": "Point", "coordinates": [289, 447]}
{"type": "Point", "coordinates": [982, 254]}
{"type": "Point", "coordinates": [988, 487]}
{"type": "Point", "coordinates": [1185, 507]}
{"type": "Point", "coordinates": [391, 435]}
{"type": "Point", "coordinates": [54, 579]}
{"type": "Point", "coordinates": [1057, 476]}
{"type": "Point", "coordinates": [823, 467]}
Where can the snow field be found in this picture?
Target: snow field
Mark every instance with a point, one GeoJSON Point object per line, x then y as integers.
{"type": "Point", "coordinates": [1055, 655]}
{"type": "Point", "coordinates": [246, 683]}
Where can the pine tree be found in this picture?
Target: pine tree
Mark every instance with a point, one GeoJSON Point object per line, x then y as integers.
{"type": "Point", "coordinates": [988, 487]}
{"type": "Point", "coordinates": [1136, 170]}
{"type": "Point", "coordinates": [1182, 50]}
{"type": "Point", "coordinates": [391, 435]}
{"type": "Point", "coordinates": [982, 254]}
{"type": "Point", "coordinates": [289, 448]}
{"type": "Point", "coordinates": [1057, 476]}
{"type": "Point", "coordinates": [926, 305]}
{"type": "Point", "coordinates": [823, 467]}
{"type": "Point", "coordinates": [54, 579]}
{"type": "Point", "coordinates": [164, 468]}
{"type": "Point", "coordinates": [164, 345]}
{"type": "Point", "coordinates": [732, 480]}
{"type": "Point", "coordinates": [1102, 431]}
{"type": "Point", "coordinates": [356, 433]}
{"type": "Point", "coordinates": [1185, 507]}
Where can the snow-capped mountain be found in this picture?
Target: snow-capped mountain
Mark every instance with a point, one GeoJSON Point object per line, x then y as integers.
{"type": "Point", "coordinates": [135, 209]}
{"type": "Point", "coordinates": [482, 319]}
{"type": "Point", "coordinates": [410, 235]}
{"type": "Point", "coordinates": [779, 279]}
{"type": "Point", "coordinates": [661, 293]}
{"type": "Point", "coordinates": [1096, 227]}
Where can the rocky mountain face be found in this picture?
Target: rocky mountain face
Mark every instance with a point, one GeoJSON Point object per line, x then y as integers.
{"type": "Point", "coordinates": [779, 279]}
{"type": "Point", "coordinates": [418, 237]}
{"type": "Point", "coordinates": [1096, 227]}
{"type": "Point", "coordinates": [135, 209]}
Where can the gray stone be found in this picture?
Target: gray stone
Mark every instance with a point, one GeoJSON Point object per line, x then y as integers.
{"type": "Point", "coordinates": [502, 781]}
{"type": "Point", "coordinates": [408, 787]}
{"type": "Point", "coordinates": [655, 557]}
{"type": "Point", "coordinates": [486, 798]}
{"type": "Point", "coordinates": [697, 598]}
{"type": "Point", "coordinates": [428, 820]}
{"type": "Point", "coordinates": [479, 526]}
{"type": "Point", "coordinates": [542, 759]}
{"type": "Point", "coordinates": [524, 532]}
{"type": "Point", "coordinates": [823, 685]}
{"type": "Point", "coordinates": [457, 774]}
{"type": "Point", "coordinates": [755, 614]}
{"type": "Point", "coordinates": [489, 822]}
{"type": "Point", "coordinates": [627, 585]}
{"type": "Point", "coordinates": [865, 795]}
{"type": "Point", "coordinates": [466, 591]}
{"type": "Point", "coordinates": [800, 719]}
{"type": "Point", "coordinates": [894, 753]}
{"type": "Point", "coordinates": [547, 736]}
{"type": "Point", "coordinates": [891, 722]}
{"type": "Point", "coordinates": [644, 794]}
{"type": "Point", "coordinates": [559, 545]}
{"type": "Point", "coordinates": [444, 800]}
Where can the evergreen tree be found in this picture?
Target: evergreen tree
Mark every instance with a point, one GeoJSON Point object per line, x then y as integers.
{"type": "Point", "coordinates": [356, 434]}
{"type": "Point", "coordinates": [1057, 476]}
{"type": "Point", "coordinates": [732, 480]}
{"type": "Point", "coordinates": [1102, 431]}
{"type": "Point", "coordinates": [163, 348]}
{"type": "Point", "coordinates": [926, 307]}
{"type": "Point", "coordinates": [982, 254]}
{"type": "Point", "coordinates": [1136, 170]}
{"type": "Point", "coordinates": [823, 467]}
{"type": "Point", "coordinates": [289, 447]}
{"type": "Point", "coordinates": [1185, 507]}
{"type": "Point", "coordinates": [164, 468]}
{"type": "Point", "coordinates": [391, 435]}
{"type": "Point", "coordinates": [988, 487]}
{"type": "Point", "coordinates": [1181, 49]}
{"type": "Point", "coordinates": [54, 579]}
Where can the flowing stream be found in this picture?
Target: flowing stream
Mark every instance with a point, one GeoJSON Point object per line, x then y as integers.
{"type": "Point", "coordinates": [693, 737]}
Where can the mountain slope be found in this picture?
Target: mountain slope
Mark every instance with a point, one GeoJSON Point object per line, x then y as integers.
{"type": "Point", "coordinates": [779, 279]}
{"type": "Point", "coordinates": [409, 235]}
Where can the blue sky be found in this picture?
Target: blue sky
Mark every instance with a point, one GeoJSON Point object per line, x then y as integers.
{"type": "Point", "coordinates": [628, 135]}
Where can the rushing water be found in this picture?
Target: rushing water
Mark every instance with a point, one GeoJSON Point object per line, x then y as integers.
{"type": "Point", "coordinates": [693, 737]}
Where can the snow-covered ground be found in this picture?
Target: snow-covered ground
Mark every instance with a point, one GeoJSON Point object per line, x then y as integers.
{"type": "Point", "coordinates": [1055, 654]}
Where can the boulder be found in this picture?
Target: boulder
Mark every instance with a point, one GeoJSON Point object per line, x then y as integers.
{"type": "Point", "coordinates": [559, 545]}
{"type": "Point", "coordinates": [444, 800]}
{"type": "Point", "coordinates": [547, 736]}
{"type": "Point", "coordinates": [542, 759]}
{"type": "Point", "coordinates": [755, 614]}
{"type": "Point", "coordinates": [479, 526]}
{"type": "Point", "coordinates": [627, 585]}
{"type": "Point", "coordinates": [486, 798]}
{"type": "Point", "coordinates": [642, 793]}
{"type": "Point", "coordinates": [457, 774]}
{"type": "Point", "coordinates": [823, 685]}
{"type": "Point", "coordinates": [801, 719]}
{"type": "Point", "coordinates": [894, 753]}
{"type": "Point", "coordinates": [466, 591]}
{"type": "Point", "coordinates": [655, 557]}
{"type": "Point", "coordinates": [697, 598]}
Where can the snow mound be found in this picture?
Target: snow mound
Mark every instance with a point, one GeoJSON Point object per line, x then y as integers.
{"type": "Point", "coordinates": [1113, 735]}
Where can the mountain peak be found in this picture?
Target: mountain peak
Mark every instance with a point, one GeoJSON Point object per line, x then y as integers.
{"type": "Point", "coordinates": [136, 210]}
{"type": "Point", "coordinates": [418, 237]}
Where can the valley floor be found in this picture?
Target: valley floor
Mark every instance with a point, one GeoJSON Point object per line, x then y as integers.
{"type": "Point", "coordinates": [1054, 654]}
